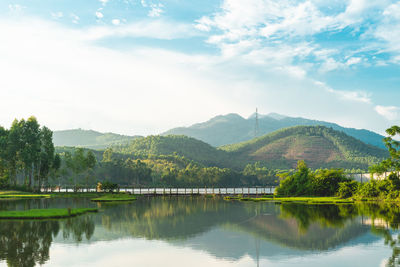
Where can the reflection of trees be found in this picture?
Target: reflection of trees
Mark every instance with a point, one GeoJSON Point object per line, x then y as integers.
{"type": "Point", "coordinates": [301, 226]}
{"type": "Point", "coordinates": [325, 215]}
{"type": "Point", "coordinates": [25, 243]}
{"type": "Point", "coordinates": [171, 218]}
{"type": "Point", "coordinates": [390, 214]}
{"type": "Point", "coordinates": [78, 227]}
{"type": "Point", "coordinates": [308, 227]}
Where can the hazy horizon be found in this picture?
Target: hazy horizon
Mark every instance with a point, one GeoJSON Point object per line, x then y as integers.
{"type": "Point", "coordinates": [139, 67]}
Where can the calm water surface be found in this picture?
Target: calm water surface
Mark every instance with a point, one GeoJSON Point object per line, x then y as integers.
{"type": "Point", "coordinates": [197, 231]}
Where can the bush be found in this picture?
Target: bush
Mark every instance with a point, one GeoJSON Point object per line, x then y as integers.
{"type": "Point", "coordinates": [369, 189]}
{"type": "Point", "coordinates": [347, 189]}
{"type": "Point", "coordinates": [326, 182]}
{"type": "Point", "coordinates": [304, 182]}
{"type": "Point", "coordinates": [297, 184]}
{"type": "Point", "coordinates": [108, 186]}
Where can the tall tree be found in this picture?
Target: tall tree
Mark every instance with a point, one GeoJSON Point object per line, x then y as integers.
{"type": "Point", "coordinates": [3, 156]}
{"type": "Point", "coordinates": [46, 157]}
{"type": "Point", "coordinates": [14, 147]}
{"type": "Point", "coordinates": [31, 148]}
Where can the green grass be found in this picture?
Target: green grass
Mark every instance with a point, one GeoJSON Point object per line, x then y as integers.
{"type": "Point", "coordinates": [114, 198]}
{"type": "Point", "coordinates": [43, 213]}
{"type": "Point", "coordinates": [16, 195]}
{"type": "Point", "coordinates": [309, 200]}
{"type": "Point", "coordinates": [76, 195]}
{"type": "Point", "coordinates": [7, 192]}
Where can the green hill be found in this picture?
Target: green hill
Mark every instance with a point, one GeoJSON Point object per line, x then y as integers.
{"type": "Point", "coordinates": [187, 147]}
{"type": "Point", "coordinates": [319, 146]}
{"type": "Point", "coordinates": [89, 138]}
{"type": "Point", "coordinates": [232, 128]}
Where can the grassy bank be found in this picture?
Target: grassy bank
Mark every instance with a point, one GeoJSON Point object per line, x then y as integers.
{"type": "Point", "coordinates": [309, 200]}
{"type": "Point", "coordinates": [114, 198]}
{"type": "Point", "coordinates": [43, 213]}
{"type": "Point", "coordinates": [76, 195]}
{"type": "Point", "coordinates": [21, 195]}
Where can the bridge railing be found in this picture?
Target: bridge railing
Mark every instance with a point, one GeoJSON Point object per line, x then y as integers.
{"type": "Point", "coordinates": [170, 190]}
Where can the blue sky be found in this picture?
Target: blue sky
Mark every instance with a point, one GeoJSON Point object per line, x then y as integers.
{"type": "Point", "coordinates": [142, 67]}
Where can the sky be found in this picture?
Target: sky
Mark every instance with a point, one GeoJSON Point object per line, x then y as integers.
{"type": "Point", "coordinates": [143, 67]}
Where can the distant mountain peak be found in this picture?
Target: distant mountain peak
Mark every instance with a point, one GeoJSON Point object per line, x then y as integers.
{"type": "Point", "coordinates": [232, 128]}
{"type": "Point", "coordinates": [276, 116]}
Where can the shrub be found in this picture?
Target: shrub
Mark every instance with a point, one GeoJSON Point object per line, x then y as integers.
{"type": "Point", "coordinates": [369, 189]}
{"type": "Point", "coordinates": [347, 189]}
{"type": "Point", "coordinates": [297, 184]}
{"type": "Point", "coordinates": [108, 186]}
{"type": "Point", "coordinates": [326, 182]}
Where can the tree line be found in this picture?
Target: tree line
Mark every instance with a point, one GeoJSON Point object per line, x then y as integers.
{"type": "Point", "coordinates": [27, 154]}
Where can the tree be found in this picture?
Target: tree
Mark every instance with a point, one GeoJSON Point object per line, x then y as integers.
{"type": "Point", "coordinates": [46, 157]}
{"type": "Point", "coordinates": [3, 156]}
{"type": "Point", "coordinates": [108, 155]}
{"type": "Point", "coordinates": [80, 163]}
{"type": "Point", "coordinates": [90, 162]}
{"type": "Point", "coordinates": [30, 152]}
{"type": "Point", "coordinates": [391, 164]}
{"type": "Point", "coordinates": [14, 147]}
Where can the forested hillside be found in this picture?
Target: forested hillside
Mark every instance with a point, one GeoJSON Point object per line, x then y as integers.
{"type": "Point", "coordinates": [232, 128]}
{"type": "Point", "coordinates": [89, 138]}
{"type": "Point", "coordinates": [184, 146]}
{"type": "Point", "coordinates": [319, 146]}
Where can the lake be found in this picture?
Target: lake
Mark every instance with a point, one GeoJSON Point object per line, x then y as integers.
{"type": "Point", "coordinates": [199, 231]}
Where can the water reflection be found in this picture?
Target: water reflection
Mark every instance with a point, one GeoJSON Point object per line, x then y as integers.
{"type": "Point", "coordinates": [25, 243]}
{"type": "Point", "coordinates": [225, 230]}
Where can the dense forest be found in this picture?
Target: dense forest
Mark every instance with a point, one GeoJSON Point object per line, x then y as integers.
{"type": "Point", "coordinates": [163, 170]}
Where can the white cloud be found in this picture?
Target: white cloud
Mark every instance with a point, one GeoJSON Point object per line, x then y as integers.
{"type": "Point", "coordinates": [158, 29]}
{"type": "Point", "coordinates": [269, 23]}
{"type": "Point", "coordinates": [388, 31]}
{"type": "Point", "coordinates": [357, 96]}
{"type": "Point", "coordinates": [16, 8]}
{"type": "Point", "coordinates": [103, 2]}
{"type": "Point", "coordinates": [156, 10]}
{"type": "Point", "coordinates": [75, 18]}
{"type": "Point", "coordinates": [99, 15]}
{"type": "Point", "coordinates": [57, 15]}
{"type": "Point", "coordinates": [353, 61]}
{"type": "Point", "coordinates": [67, 81]}
{"type": "Point", "coordinates": [116, 22]}
{"type": "Point", "coordinates": [391, 113]}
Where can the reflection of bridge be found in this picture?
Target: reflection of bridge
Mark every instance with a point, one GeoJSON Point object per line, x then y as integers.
{"type": "Point", "coordinates": [159, 191]}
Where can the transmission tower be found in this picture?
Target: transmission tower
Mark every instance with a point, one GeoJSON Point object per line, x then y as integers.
{"type": "Point", "coordinates": [256, 128]}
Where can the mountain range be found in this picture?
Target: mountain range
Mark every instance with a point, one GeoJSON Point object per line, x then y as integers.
{"type": "Point", "coordinates": [89, 138]}
{"type": "Point", "coordinates": [218, 131]}
{"type": "Point", "coordinates": [233, 128]}
{"type": "Point", "coordinates": [228, 142]}
{"type": "Point", "coordinates": [319, 146]}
